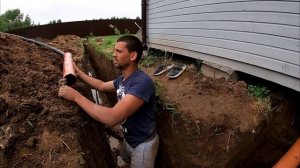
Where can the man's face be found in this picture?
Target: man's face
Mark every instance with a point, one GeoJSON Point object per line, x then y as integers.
{"type": "Point", "coordinates": [122, 57]}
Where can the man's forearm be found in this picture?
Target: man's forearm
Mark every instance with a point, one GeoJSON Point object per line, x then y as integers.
{"type": "Point", "coordinates": [95, 83]}
{"type": "Point", "coordinates": [98, 112]}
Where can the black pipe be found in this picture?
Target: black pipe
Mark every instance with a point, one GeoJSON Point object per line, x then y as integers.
{"type": "Point", "coordinates": [144, 33]}
{"type": "Point", "coordinates": [38, 43]}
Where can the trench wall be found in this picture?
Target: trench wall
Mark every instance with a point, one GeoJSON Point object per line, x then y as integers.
{"type": "Point", "coordinates": [96, 148]}
{"type": "Point", "coordinates": [105, 70]}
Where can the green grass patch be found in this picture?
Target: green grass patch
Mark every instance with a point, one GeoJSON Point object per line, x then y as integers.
{"type": "Point", "coordinates": [109, 41]}
{"type": "Point", "coordinates": [104, 45]}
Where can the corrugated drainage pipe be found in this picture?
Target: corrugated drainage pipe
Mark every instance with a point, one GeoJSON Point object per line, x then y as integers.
{"type": "Point", "coordinates": [38, 43]}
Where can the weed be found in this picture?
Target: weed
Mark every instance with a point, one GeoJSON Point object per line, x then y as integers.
{"type": "Point", "coordinates": [116, 30]}
{"type": "Point", "coordinates": [159, 89]}
{"type": "Point", "coordinates": [198, 64]}
{"type": "Point", "coordinates": [258, 91]}
{"type": "Point", "coordinates": [148, 61]}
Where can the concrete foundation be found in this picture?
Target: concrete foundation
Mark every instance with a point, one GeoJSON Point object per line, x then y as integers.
{"type": "Point", "coordinates": [218, 71]}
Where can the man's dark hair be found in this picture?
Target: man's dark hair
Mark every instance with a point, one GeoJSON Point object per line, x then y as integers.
{"type": "Point", "coordinates": [133, 44]}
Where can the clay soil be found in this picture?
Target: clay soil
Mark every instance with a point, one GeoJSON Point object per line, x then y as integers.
{"type": "Point", "coordinates": [210, 118]}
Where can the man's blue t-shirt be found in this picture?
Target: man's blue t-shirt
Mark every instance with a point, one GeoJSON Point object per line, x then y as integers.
{"type": "Point", "coordinates": [141, 124]}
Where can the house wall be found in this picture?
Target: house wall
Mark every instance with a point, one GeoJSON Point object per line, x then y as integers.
{"type": "Point", "coordinates": [261, 38]}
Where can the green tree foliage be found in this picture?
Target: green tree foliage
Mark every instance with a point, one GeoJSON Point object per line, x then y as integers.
{"type": "Point", "coordinates": [14, 19]}
{"type": "Point", "coordinates": [118, 18]}
{"type": "Point", "coordinates": [54, 21]}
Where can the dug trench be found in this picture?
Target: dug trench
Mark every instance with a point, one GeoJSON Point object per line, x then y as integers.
{"type": "Point", "coordinates": [39, 129]}
{"type": "Point", "coordinates": [180, 135]}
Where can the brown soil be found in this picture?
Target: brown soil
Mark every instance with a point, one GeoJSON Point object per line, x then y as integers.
{"type": "Point", "coordinates": [38, 129]}
{"type": "Point", "coordinates": [209, 118]}
{"type": "Point", "coordinates": [218, 102]}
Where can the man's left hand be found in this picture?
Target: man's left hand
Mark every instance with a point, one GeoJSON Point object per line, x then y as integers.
{"type": "Point", "coordinates": [67, 93]}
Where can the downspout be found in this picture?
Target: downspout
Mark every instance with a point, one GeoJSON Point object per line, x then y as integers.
{"type": "Point", "coordinates": [144, 33]}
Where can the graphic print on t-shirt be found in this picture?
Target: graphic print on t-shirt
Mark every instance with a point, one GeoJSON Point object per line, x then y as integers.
{"type": "Point", "coordinates": [120, 95]}
{"type": "Point", "coordinates": [120, 92]}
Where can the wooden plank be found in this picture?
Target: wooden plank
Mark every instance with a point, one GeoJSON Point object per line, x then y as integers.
{"type": "Point", "coordinates": [261, 28]}
{"type": "Point", "coordinates": [271, 64]}
{"type": "Point", "coordinates": [261, 39]}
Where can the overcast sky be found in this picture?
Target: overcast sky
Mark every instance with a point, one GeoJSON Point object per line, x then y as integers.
{"type": "Point", "coordinates": [44, 11]}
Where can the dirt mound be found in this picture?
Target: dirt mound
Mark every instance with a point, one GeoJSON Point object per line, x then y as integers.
{"type": "Point", "coordinates": [31, 112]}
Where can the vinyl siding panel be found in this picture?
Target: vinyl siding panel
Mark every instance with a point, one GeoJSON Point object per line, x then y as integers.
{"type": "Point", "coordinates": [264, 35]}
{"type": "Point", "coordinates": [257, 17]}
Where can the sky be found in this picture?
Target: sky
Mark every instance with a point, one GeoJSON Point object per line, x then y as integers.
{"type": "Point", "coordinates": [44, 11]}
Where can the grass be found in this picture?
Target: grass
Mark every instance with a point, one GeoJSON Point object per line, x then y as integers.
{"type": "Point", "coordinates": [104, 45]}
{"type": "Point", "coordinates": [109, 41]}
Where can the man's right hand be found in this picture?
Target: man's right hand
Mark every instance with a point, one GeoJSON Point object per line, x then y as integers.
{"type": "Point", "coordinates": [77, 70]}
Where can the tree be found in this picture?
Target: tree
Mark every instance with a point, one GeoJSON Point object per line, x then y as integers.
{"type": "Point", "coordinates": [13, 19]}
{"type": "Point", "coordinates": [54, 21]}
{"type": "Point", "coordinates": [28, 21]}
{"type": "Point", "coordinates": [118, 18]}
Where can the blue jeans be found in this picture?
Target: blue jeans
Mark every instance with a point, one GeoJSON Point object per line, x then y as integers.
{"type": "Point", "coordinates": [143, 155]}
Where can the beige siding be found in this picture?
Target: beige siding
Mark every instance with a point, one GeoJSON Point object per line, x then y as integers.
{"type": "Point", "coordinates": [261, 38]}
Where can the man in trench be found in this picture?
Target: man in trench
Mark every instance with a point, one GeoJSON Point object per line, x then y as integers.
{"type": "Point", "coordinates": [134, 110]}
